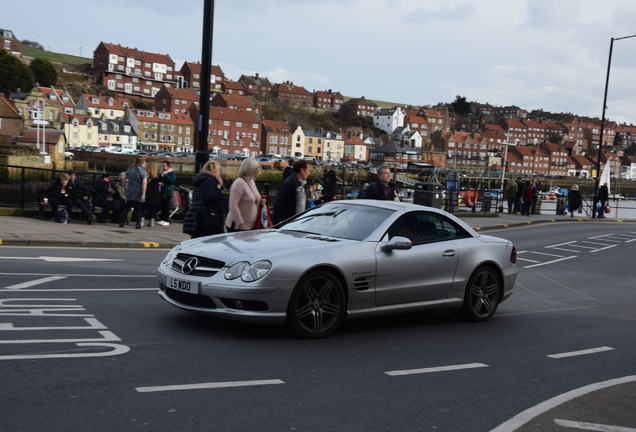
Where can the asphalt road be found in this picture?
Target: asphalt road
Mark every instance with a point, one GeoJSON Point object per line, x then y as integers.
{"type": "Point", "coordinates": [87, 345]}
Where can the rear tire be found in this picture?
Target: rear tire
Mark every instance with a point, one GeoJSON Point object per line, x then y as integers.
{"type": "Point", "coordinates": [483, 295]}
{"type": "Point", "coordinates": [317, 305]}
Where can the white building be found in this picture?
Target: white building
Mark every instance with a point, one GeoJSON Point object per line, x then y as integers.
{"type": "Point", "coordinates": [333, 150]}
{"type": "Point", "coordinates": [389, 119]}
{"type": "Point", "coordinates": [298, 143]}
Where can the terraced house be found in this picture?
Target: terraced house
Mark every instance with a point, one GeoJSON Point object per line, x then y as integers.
{"type": "Point", "coordinates": [163, 130]}
{"type": "Point", "coordinates": [81, 130]}
{"type": "Point", "coordinates": [116, 133]}
{"type": "Point", "coordinates": [291, 94]}
{"type": "Point", "coordinates": [276, 138]}
{"type": "Point", "coordinates": [234, 132]}
{"type": "Point", "coordinates": [104, 107]}
{"type": "Point", "coordinates": [176, 101]}
{"type": "Point", "coordinates": [44, 103]}
{"type": "Point", "coordinates": [132, 71]}
{"type": "Point", "coordinates": [191, 73]}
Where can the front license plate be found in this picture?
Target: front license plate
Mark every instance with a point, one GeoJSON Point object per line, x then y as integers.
{"type": "Point", "coordinates": [191, 287]}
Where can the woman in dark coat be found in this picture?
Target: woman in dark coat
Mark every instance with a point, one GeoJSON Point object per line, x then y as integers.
{"type": "Point", "coordinates": [153, 194]}
{"type": "Point", "coordinates": [204, 217]}
{"type": "Point", "coordinates": [574, 200]}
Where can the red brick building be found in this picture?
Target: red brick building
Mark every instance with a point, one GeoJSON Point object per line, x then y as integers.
{"type": "Point", "coordinates": [11, 122]}
{"type": "Point", "coordinates": [234, 132]}
{"type": "Point", "coordinates": [276, 138]}
{"type": "Point", "coordinates": [291, 94]}
{"type": "Point", "coordinates": [256, 85]}
{"type": "Point", "coordinates": [418, 123]}
{"type": "Point", "coordinates": [191, 73]}
{"type": "Point", "coordinates": [177, 101]}
{"type": "Point", "coordinates": [233, 87]}
{"type": "Point", "coordinates": [10, 43]}
{"type": "Point", "coordinates": [558, 159]}
{"type": "Point", "coordinates": [134, 72]}
{"type": "Point", "coordinates": [360, 106]}
{"type": "Point", "coordinates": [236, 102]}
{"type": "Point", "coordinates": [328, 100]}
{"type": "Point", "coordinates": [517, 131]}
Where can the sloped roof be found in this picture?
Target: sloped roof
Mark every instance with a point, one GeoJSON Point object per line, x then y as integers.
{"type": "Point", "coordinates": [218, 113]}
{"type": "Point", "coordinates": [59, 95]}
{"type": "Point", "coordinates": [195, 68]}
{"type": "Point", "coordinates": [144, 56]}
{"type": "Point", "coordinates": [276, 126]}
{"type": "Point", "coordinates": [52, 136]}
{"type": "Point", "coordinates": [118, 103]}
{"type": "Point", "coordinates": [290, 88]}
{"type": "Point", "coordinates": [8, 108]}
{"type": "Point", "coordinates": [164, 117]}
{"type": "Point", "coordinates": [233, 85]}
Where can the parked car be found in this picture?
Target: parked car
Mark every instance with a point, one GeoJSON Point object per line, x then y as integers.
{"type": "Point", "coordinates": [342, 259]}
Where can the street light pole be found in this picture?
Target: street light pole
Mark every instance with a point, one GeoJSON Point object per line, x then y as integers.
{"type": "Point", "coordinates": [202, 156]}
{"type": "Point", "coordinates": [600, 144]}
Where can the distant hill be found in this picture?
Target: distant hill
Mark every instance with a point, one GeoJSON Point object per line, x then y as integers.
{"type": "Point", "coordinates": [381, 104]}
{"type": "Point", "coordinates": [56, 57]}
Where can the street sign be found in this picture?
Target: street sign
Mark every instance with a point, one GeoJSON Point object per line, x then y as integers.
{"type": "Point", "coordinates": [40, 122]}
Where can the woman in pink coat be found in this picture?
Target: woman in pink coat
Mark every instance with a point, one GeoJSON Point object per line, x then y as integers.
{"type": "Point", "coordinates": [244, 198]}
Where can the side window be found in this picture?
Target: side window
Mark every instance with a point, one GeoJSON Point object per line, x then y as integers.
{"type": "Point", "coordinates": [452, 231]}
{"type": "Point", "coordinates": [420, 228]}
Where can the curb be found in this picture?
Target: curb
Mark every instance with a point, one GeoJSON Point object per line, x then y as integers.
{"type": "Point", "coordinates": [548, 221]}
{"type": "Point", "coordinates": [88, 244]}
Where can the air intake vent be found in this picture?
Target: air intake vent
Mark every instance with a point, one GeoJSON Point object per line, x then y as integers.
{"type": "Point", "coordinates": [361, 284]}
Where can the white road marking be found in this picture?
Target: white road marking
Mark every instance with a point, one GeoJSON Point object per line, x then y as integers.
{"type": "Point", "coordinates": [94, 324]}
{"type": "Point", "coordinates": [435, 369]}
{"type": "Point", "coordinates": [34, 282]}
{"type": "Point", "coordinates": [622, 236]}
{"type": "Point", "coordinates": [544, 311]}
{"type": "Point", "coordinates": [529, 260]}
{"type": "Point", "coordinates": [81, 289]}
{"type": "Point", "coordinates": [581, 246]}
{"type": "Point", "coordinates": [107, 336]}
{"type": "Point", "coordinates": [581, 352]}
{"type": "Point", "coordinates": [564, 249]}
{"type": "Point", "coordinates": [561, 244]}
{"type": "Point", "coordinates": [594, 243]}
{"type": "Point", "coordinates": [77, 275]}
{"type": "Point", "coordinates": [629, 241]}
{"type": "Point", "coordinates": [606, 247]}
{"type": "Point", "coordinates": [116, 349]}
{"type": "Point", "coordinates": [524, 417]}
{"type": "Point", "coordinates": [551, 262]}
{"type": "Point", "coordinates": [592, 426]}
{"type": "Point", "coordinates": [60, 259]}
{"type": "Point", "coordinates": [209, 385]}
{"type": "Point", "coordinates": [547, 254]}
{"type": "Point", "coordinates": [604, 239]}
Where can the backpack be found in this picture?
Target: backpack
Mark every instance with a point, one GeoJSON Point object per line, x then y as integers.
{"type": "Point", "coordinates": [61, 216]}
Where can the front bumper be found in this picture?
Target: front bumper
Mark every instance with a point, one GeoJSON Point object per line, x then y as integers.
{"type": "Point", "coordinates": [257, 303]}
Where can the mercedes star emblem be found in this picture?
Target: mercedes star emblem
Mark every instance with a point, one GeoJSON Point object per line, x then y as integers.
{"type": "Point", "coordinates": [190, 265]}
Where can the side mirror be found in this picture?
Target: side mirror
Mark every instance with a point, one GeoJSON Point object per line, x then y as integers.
{"type": "Point", "coordinates": [399, 243]}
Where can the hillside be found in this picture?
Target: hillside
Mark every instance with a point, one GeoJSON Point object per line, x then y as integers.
{"type": "Point", "coordinates": [56, 57]}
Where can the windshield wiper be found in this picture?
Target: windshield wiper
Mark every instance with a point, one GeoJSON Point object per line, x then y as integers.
{"type": "Point", "coordinates": [299, 231]}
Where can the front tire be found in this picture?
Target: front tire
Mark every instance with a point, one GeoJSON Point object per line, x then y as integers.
{"type": "Point", "coordinates": [317, 305]}
{"type": "Point", "coordinates": [483, 295]}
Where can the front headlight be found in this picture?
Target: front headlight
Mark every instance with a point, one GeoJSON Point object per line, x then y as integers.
{"type": "Point", "coordinates": [236, 270]}
{"type": "Point", "coordinates": [170, 256]}
{"type": "Point", "coordinates": [256, 271]}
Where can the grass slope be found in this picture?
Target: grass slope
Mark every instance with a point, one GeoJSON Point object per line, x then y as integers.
{"type": "Point", "coordinates": [55, 57]}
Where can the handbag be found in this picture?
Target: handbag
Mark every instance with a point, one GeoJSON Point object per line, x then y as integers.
{"type": "Point", "coordinates": [607, 208]}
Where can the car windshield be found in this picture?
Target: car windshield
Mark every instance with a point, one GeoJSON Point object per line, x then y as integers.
{"type": "Point", "coordinates": [355, 222]}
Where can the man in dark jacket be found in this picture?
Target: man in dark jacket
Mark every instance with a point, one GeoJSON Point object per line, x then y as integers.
{"type": "Point", "coordinates": [329, 183]}
{"type": "Point", "coordinates": [103, 198]}
{"type": "Point", "coordinates": [380, 189]}
{"type": "Point", "coordinates": [289, 169]}
{"type": "Point", "coordinates": [80, 197]}
{"type": "Point", "coordinates": [603, 197]}
{"type": "Point", "coordinates": [574, 199]}
{"type": "Point", "coordinates": [58, 194]}
{"type": "Point", "coordinates": [291, 197]}
{"type": "Point", "coordinates": [204, 217]}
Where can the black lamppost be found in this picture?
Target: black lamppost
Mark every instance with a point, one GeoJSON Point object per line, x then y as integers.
{"type": "Point", "coordinates": [201, 156]}
{"type": "Point", "coordinates": [600, 144]}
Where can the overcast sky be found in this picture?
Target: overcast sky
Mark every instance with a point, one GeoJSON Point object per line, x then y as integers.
{"type": "Point", "coordinates": [549, 54]}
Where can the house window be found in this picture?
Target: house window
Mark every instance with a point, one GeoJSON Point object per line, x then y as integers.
{"type": "Point", "coordinates": [239, 124]}
{"type": "Point", "coordinates": [226, 123]}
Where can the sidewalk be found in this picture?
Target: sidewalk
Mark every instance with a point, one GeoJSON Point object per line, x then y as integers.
{"type": "Point", "coordinates": [29, 231]}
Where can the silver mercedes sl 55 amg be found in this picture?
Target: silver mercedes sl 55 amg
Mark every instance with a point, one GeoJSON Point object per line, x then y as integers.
{"type": "Point", "coordinates": [342, 259]}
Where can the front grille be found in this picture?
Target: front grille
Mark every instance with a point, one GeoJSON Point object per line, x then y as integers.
{"type": "Point", "coordinates": [206, 267]}
{"type": "Point", "coordinates": [196, 300]}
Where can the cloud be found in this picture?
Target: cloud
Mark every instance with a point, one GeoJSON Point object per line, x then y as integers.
{"type": "Point", "coordinates": [454, 13]}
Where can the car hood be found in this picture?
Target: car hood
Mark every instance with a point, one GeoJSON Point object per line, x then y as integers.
{"type": "Point", "coordinates": [491, 239]}
{"type": "Point", "coordinates": [259, 244]}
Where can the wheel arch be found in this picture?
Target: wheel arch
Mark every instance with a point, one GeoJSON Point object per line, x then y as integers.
{"type": "Point", "coordinates": [494, 266]}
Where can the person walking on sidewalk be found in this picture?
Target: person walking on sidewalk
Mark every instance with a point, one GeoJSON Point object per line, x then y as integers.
{"type": "Point", "coordinates": [574, 200]}
{"type": "Point", "coordinates": [329, 182]}
{"type": "Point", "coordinates": [510, 194]}
{"type": "Point", "coordinates": [380, 189]}
{"type": "Point", "coordinates": [168, 180]}
{"type": "Point", "coordinates": [244, 198]}
{"type": "Point", "coordinates": [120, 210]}
{"type": "Point", "coordinates": [603, 197]}
{"type": "Point", "coordinates": [153, 194]}
{"type": "Point", "coordinates": [529, 192]}
{"type": "Point", "coordinates": [204, 217]}
{"type": "Point", "coordinates": [521, 187]}
{"type": "Point", "coordinates": [291, 196]}
{"type": "Point", "coordinates": [136, 193]}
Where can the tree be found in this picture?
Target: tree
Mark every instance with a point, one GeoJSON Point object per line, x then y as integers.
{"type": "Point", "coordinates": [14, 75]}
{"type": "Point", "coordinates": [43, 72]}
{"type": "Point", "coordinates": [460, 106]}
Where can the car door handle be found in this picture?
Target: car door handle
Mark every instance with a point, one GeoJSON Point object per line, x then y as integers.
{"type": "Point", "coordinates": [449, 253]}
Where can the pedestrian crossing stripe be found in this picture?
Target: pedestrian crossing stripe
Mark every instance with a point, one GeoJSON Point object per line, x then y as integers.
{"type": "Point", "coordinates": [150, 244]}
